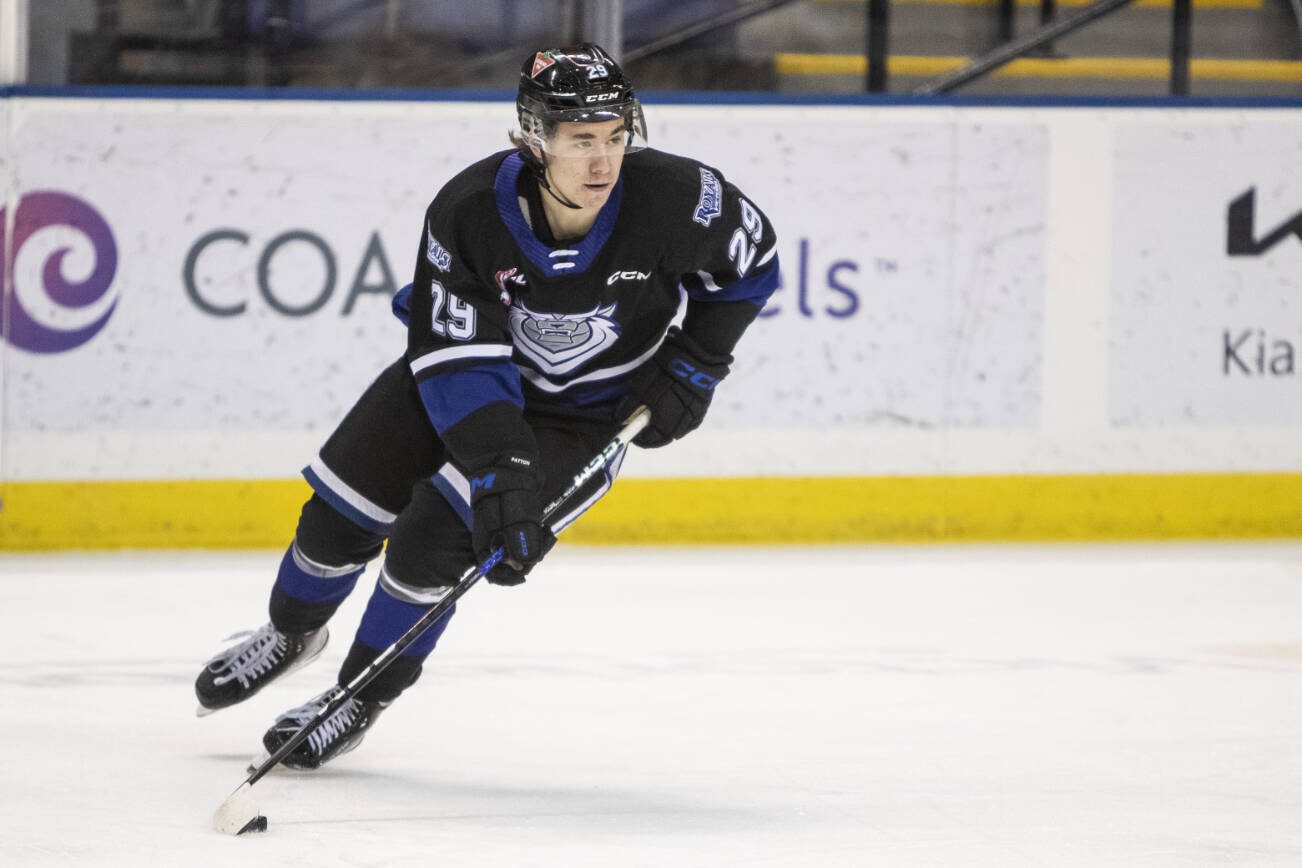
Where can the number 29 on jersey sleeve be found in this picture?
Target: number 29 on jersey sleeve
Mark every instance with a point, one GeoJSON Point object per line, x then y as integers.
{"type": "Point", "coordinates": [742, 249]}
{"type": "Point", "coordinates": [451, 317]}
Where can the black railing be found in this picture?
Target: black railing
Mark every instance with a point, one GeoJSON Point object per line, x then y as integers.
{"type": "Point", "coordinates": [878, 25]}
{"type": "Point", "coordinates": [1055, 29]}
{"type": "Point", "coordinates": [1015, 48]}
{"type": "Point", "coordinates": [1181, 43]}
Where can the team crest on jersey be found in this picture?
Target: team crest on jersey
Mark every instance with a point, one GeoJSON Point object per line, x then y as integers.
{"type": "Point", "coordinates": [434, 252]}
{"type": "Point", "coordinates": [710, 205]}
{"type": "Point", "coordinates": [541, 61]}
{"type": "Point", "coordinates": [561, 342]}
{"type": "Point", "coordinates": [507, 279]}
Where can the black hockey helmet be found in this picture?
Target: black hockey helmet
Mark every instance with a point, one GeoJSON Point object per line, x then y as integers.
{"type": "Point", "coordinates": [580, 84]}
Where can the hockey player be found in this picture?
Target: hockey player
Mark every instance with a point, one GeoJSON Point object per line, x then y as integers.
{"type": "Point", "coordinates": [539, 318]}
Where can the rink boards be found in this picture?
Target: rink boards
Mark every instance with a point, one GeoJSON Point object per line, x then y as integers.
{"type": "Point", "coordinates": [1029, 321]}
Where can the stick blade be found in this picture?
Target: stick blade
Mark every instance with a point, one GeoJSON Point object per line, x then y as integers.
{"type": "Point", "coordinates": [238, 814]}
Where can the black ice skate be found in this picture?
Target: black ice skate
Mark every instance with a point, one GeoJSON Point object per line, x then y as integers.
{"type": "Point", "coordinates": [337, 734]}
{"type": "Point", "coordinates": [245, 668]}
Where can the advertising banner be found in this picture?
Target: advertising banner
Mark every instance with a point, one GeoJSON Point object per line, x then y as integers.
{"type": "Point", "coordinates": [227, 266]}
{"type": "Point", "coordinates": [1206, 291]}
{"type": "Point", "coordinates": [912, 269]}
{"type": "Point", "coordinates": [993, 322]}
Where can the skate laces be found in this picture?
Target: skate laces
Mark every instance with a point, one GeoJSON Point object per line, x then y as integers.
{"type": "Point", "coordinates": [251, 658]}
{"type": "Point", "coordinates": [327, 730]}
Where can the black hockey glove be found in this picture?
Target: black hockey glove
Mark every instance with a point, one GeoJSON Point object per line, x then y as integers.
{"type": "Point", "coordinates": [506, 497]}
{"type": "Point", "coordinates": [676, 384]}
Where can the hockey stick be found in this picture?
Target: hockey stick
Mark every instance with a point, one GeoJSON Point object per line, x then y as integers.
{"type": "Point", "coordinates": [238, 814]}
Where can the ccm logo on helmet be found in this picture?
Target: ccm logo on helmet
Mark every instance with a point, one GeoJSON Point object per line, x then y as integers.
{"type": "Point", "coordinates": [626, 275]}
{"type": "Point", "coordinates": [601, 97]}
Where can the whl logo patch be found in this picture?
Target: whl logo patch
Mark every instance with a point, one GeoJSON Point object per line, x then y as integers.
{"type": "Point", "coordinates": [561, 342]}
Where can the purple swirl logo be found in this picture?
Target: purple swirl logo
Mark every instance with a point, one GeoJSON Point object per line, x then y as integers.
{"type": "Point", "coordinates": [44, 311]}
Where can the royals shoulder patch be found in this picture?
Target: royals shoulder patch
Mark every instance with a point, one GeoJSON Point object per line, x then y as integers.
{"type": "Point", "coordinates": [436, 254]}
{"type": "Point", "coordinates": [710, 205]}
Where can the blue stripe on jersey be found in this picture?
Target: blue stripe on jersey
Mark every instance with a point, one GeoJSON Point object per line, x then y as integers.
{"type": "Point", "coordinates": [508, 207]}
{"type": "Point", "coordinates": [387, 618]}
{"type": "Point", "coordinates": [401, 304]}
{"type": "Point", "coordinates": [756, 289]}
{"type": "Point", "coordinates": [451, 397]}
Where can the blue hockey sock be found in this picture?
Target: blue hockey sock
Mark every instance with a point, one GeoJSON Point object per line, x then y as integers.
{"type": "Point", "coordinates": [307, 593]}
{"type": "Point", "coordinates": [388, 617]}
{"type": "Point", "coordinates": [384, 622]}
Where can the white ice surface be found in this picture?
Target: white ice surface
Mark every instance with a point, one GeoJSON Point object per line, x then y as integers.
{"type": "Point", "coordinates": [971, 706]}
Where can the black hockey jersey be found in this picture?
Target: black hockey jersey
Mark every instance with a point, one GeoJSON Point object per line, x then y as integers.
{"type": "Point", "coordinates": [504, 321]}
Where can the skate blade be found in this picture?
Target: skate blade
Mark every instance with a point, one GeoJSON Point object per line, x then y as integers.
{"type": "Point", "coordinates": [202, 711]}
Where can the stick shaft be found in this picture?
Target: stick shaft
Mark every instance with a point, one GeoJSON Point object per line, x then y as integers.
{"type": "Point", "coordinates": [468, 579]}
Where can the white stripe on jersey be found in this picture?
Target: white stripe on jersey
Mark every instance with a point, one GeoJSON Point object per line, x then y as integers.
{"type": "Point", "coordinates": [350, 495]}
{"type": "Point", "coordinates": [708, 279]}
{"type": "Point", "coordinates": [546, 385]}
{"type": "Point", "coordinates": [460, 354]}
{"type": "Point", "coordinates": [457, 480]}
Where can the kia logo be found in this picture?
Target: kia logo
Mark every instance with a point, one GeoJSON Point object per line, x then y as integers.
{"type": "Point", "coordinates": [1241, 234]}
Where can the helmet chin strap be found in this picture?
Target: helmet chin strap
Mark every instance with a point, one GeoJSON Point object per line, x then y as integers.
{"type": "Point", "coordinates": [538, 164]}
{"type": "Point", "coordinates": [541, 173]}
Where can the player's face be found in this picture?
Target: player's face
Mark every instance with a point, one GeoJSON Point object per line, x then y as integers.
{"type": "Point", "coordinates": [583, 161]}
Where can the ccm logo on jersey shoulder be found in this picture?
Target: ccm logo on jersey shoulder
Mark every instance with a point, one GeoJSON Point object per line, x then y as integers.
{"type": "Point", "coordinates": [710, 205]}
{"type": "Point", "coordinates": [626, 275]}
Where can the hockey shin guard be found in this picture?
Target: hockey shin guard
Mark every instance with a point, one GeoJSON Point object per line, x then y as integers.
{"type": "Point", "coordinates": [307, 593]}
{"type": "Point", "coordinates": [386, 619]}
